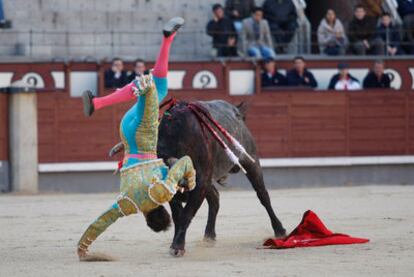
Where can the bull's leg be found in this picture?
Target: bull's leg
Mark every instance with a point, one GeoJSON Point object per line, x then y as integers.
{"type": "Point", "coordinates": [255, 176]}
{"type": "Point", "coordinates": [213, 200]}
{"type": "Point", "coordinates": [194, 203]}
{"type": "Point", "coordinates": [176, 210]}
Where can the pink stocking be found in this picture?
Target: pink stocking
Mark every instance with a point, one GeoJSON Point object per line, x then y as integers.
{"type": "Point", "coordinates": [161, 65]}
{"type": "Point", "coordinates": [120, 95]}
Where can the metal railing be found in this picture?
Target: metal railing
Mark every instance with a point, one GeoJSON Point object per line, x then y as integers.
{"type": "Point", "coordinates": [189, 45]}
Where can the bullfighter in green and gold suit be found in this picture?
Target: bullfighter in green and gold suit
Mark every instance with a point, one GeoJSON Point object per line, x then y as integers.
{"type": "Point", "coordinates": [146, 182]}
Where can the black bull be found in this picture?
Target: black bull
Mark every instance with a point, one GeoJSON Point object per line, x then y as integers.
{"type": "Point", "coordinates": [180, 134]}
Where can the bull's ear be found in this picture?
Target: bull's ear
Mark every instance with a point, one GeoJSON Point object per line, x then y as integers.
{"type": "Point", "coordinates": [243, 107]}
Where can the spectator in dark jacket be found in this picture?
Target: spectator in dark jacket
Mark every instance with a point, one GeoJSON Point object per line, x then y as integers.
{"type": "Point", "coordinates": [300, 76]}
{"type": "Point", "coordinates": [4, 23]}
{"type": "Point", "coordinates": [237, 10]}
{"type": "Point", "coordinates": [271, 77]}
{"type": "Point", "coordinates": [361, 34]}
{"type": "Point", "coordinates": [116, 76]}
{"type": "Point", "coordinates": [390, 35]}
{"type": "Point", "coordinates": [222, 30]}
{"type": "Point", "coordinates": [231, 49]}
{"type": "Point", "coordinates": [406, 11]}
{"type": "Point", "coordinates": [139, 69]}
{"type": "Point", "coordinates": [344, 80]}
{"type": "Point", "coordinates": [282, 18]}
{"type": "Point", "coordinates": [405, 7]}
{"type": "Point", "coordinates": [376, 78]}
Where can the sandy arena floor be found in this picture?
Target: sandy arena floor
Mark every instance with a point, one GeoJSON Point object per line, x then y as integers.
{"type": "Point", "coordinates": [38, 235]}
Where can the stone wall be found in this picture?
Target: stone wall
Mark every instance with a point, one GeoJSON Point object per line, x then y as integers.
{"type": "Point", "coordinates": [103, 28]}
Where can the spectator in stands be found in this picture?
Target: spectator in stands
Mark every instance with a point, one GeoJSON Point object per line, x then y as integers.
{"type": "Point", "coordinates": [256, 36]}
{"type": "Point", "coordinates": [343, 80]}
{"type": "Point", "coordinates": [282, 18]}
{"type": "Point", "coordinates": [331, 35]}
{"type": "Point", "coordinates": [223, 32]}
{"type": "Point", "coordinates": [4, 23]}
{"type": "Point", "coordinates": [237, 10]}
{"type": "Point", "coordinates": [376, 78]}
{"type": "Point", "coordinates": [373, 7]}
{"type": "Point", "coordinates": [300, 76]}
{"type": "Point", "coordinates": [231, 49]}
{"type": "Point", "coordinates": [116, 76]}
{"type": "Point", "coordinates": [271, 77]}
{"type": "Point", "coordinates": [361, 34]}
{"type": "Point", "coordinates": [139, 69]}
{"type": "Point", "coordinates": [406, 11]}
{"type": "Point", "coordinates": [390, 35]}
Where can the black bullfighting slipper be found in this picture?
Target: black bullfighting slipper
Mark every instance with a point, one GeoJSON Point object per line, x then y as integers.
{"type": "Point", "coordinates": [172, 26]}
{"type": "Point", "coordinates": [88, 107]}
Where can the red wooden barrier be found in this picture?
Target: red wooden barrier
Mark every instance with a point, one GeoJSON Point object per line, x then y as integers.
{"type": "Point", "coordinates": [293, 124]}
{"type": "Point", "coordinates": [286, 123]}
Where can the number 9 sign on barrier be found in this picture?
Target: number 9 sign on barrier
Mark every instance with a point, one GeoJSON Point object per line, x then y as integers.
{"type": "Point", "coordinates": [204, 80]}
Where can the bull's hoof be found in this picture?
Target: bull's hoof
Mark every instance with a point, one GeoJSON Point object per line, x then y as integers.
{"type": "Point", "coordinates": [280, 235]}
{"type": "Point", "coordinates": [177, 252]}
{"type": "Point", "coordinates": [210, 236]}
{"type": "Point", "coordinates": [209, 242]}
{"type": "Point", "coordinates": [209, 239]}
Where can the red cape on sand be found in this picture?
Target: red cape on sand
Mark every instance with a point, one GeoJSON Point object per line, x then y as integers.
{"type": "Point", "coordinates": [311, 232]}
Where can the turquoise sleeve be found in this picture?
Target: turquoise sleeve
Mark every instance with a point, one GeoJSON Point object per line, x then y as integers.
{"type": "Point", "coordinates": [162, 87]}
